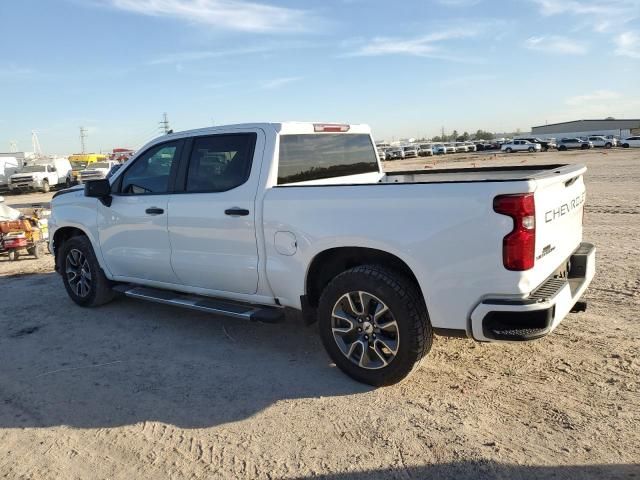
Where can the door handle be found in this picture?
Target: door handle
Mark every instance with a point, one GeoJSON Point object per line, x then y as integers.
{"type": "Point", "coordinates": [237, 212]}
{"type": "Point", "coordinates": [154, 211]}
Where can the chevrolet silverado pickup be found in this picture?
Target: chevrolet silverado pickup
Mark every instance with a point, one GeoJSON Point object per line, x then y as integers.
{"type": "Point", "coordinates": [248, 220]}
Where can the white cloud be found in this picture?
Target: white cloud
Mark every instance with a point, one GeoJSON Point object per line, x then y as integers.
{"type": "Point", "coordinates": [226, 14]}
{"type": "Point", "coordinates": [429, 45]}
{"type": "Point", "coordinates": [600, 15]}
{"type": "Point", "coordinates": [182, 57]}
{"type": "Point", "coordinates": [628, 44]}
{"type": "Point", "coordinates": [597, 96]}
{"type": "Point", "coordinates": [280, 82]}
{"type": "Point", "coordinates": [556, 44]}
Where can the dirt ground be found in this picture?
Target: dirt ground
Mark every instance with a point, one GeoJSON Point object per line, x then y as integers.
{"type": "Point", "coordinates": [134, 390]}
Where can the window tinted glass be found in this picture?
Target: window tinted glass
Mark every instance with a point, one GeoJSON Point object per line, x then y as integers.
{"type": "Point", "coordinates": [313, 157]}
{"type": "Point", "coordinates": [220, 162]}
{"type": "Point", "coordinates": [151, 172]}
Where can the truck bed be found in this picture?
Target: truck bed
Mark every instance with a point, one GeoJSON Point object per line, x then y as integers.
{"type": "Point", "coordinates": [483, 174]}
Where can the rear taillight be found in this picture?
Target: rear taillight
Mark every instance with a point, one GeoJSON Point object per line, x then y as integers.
{"type": "Point", "coordinates": [518, 247]}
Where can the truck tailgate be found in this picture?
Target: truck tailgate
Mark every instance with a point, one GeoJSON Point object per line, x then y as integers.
{"type": "Point", "coordinates": [559, 204]}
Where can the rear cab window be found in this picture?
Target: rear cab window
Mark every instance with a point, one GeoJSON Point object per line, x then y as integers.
{"type": "Point", "coordinates": [307, 157]}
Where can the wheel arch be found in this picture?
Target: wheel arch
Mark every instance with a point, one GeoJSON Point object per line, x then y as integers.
{"type": "Point", "coordinates": [63, 234]}
{"type": "Point", "coordinates": [329, 263]}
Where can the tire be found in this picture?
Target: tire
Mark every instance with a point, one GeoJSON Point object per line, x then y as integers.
{"type": "Point", "coordinates": [14, 255]}
{"type": "Point", "coordinates": [562, 148]}
{"type": "Point", "coordinates": [45, 186]}
{"type": "Point", "coordinates": [37, 250]}
{"type": "Point", "coordinates": [531, 149]}
{"type": "Point", "coordinates": [608, 145]}
{"type": "Point", "coordinates": [585, 147]}
{"type": "Point", "coordinates": [76, 259]}
{"type": "Point", "coordinates": [405, 325]}
{"type": "Point", "coordinates": [509, 150]}
{"type": "Point", "coordinates": [625, 145]}
{"type": "Point", "coordinates": [67, 183]}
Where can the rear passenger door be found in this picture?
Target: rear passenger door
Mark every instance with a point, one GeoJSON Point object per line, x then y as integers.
{"type": "Point", "coordinates": [212, 216]}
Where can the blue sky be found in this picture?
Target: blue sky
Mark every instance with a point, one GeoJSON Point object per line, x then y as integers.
{"type": "Point", "coordinates": [406, 67]}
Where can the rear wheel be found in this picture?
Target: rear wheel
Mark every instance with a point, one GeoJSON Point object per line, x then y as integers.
{"type": "Point", "coordinates": [509, 150]}
{"type": "Point", "coordinates": [625, 145]}
{"type": "Point", "coordinates": [608, 145]}
{"type": "Point", "coordinates": [374, 324]}
{"type": "Point", "coordinates": [562, 148]}
{"type": "Point", "coordinates": [83, 278]}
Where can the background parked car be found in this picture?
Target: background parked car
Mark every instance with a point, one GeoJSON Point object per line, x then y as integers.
{"type": "Point", "coordinates": [601, 141]}
{"type": "Point", "coordinates": [439, 149]}
{"type": "Point", "coordinates": [569, 143]}
{"type": "Point", "coordinates": [410, 151]}
{"type": "Point", "coordinates": [545, 144]}
{"type": "Point", "coordinates": [460, 147]}
{"type": "Point", "coordinates": [426, 149]}
{"type": "Point", "coordinates": [449, 148]}
{"type": "Point", "coordinates": [382, 155]}
{"type": "Point", "coordinates": [395, 154]}
{"type": "Point", "coordinates": [471, 147]}
{"type": "Point", "coordinates": [631, 142]}
{"type": "Point", "coordinates": [521, 146]}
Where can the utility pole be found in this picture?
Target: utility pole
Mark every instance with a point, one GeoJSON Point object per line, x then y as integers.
{"type": "Point", "coordinates": [442, 137]}
{"type": "Point", "coordinates": [13, 146]}
{"type": "Point", "coordinates": [83, 136]}
{"type": "Point", "coordinates": [164, 124]}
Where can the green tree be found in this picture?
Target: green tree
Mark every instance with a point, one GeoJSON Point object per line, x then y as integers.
{"type": "Point", "coordinates": [454, 136]}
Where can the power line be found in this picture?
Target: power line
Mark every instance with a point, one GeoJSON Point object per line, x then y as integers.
{"type": "Point", "coordinates": [83, 135]}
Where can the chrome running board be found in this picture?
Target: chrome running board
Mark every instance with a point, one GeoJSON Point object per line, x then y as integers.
{"type": "Point", "coordinates": [204, 304]}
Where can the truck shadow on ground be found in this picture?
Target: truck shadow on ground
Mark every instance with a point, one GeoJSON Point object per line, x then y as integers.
{"type": "Point", "coordinates": [489, 470]}
{"type": "Point", "coordinates": [132, 361]}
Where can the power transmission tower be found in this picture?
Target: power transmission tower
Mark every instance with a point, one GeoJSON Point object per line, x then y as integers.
{"type": "Point", "coordinates": [164, 124]}
{"type": "Point", "coordinates": [35, 143]}
{"type": "Point", "coordinates": [83, 135]}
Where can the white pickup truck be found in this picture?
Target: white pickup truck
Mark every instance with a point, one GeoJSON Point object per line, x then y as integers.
{"type": "Point", "coordinates": [246, 220]}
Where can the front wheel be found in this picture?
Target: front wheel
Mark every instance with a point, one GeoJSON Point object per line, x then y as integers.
{"type": "Point", "coordinates": [625, 145]}
{"type": "Point", "coordinates": [45, 186]}
{"type": "Point", "coordinates": [562, 148]}
{"type": "Point", "coordinates": [531, 149]}
{"type": "Point", "coordinates": [509, 150]}
{"type": "Point", "coordinates": [83, 278]}
{"type": "Point", "coordinates": [374, 324]}
{"type": "Point", "coordinates": [608, 145]}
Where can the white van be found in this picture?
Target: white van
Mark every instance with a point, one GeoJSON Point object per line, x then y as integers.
{"type": "Point", "coordinates": [42, 175]}
{"type": "Point", "coordinates": [8, 166]}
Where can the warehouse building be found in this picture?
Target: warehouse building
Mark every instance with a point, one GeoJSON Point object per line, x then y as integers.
{"type": "Point", "coordinates": [622, 128]}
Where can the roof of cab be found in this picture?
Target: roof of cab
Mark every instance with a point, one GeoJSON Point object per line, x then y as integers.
{"type": "Point", "coordinates": [278, 127]}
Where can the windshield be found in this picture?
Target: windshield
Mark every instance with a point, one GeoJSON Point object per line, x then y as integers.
{"type": "Point", "coordinates": [35, 168]}
{"type": "Point", "coordinates": [79, 165]}
{"type": "Point", "coordinates": [100, 165]}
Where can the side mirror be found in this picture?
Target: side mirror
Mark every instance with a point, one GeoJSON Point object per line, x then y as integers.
{"type": "Point", "coordinates": [100, 189]}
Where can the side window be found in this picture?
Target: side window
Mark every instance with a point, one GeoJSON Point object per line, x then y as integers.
{"type": "Point", "coordinates": [220, 162]}
{"type": "Point", "coordinates": [152, 171]}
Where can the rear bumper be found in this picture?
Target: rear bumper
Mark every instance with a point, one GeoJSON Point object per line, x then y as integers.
{"type": "Point", "coordinates": [539, 313]}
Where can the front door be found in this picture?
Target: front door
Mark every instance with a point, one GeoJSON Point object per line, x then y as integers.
{"type": "Point", "coordinates": [133, 231]}
{"type": "Point", "coordinates": [212, 227]}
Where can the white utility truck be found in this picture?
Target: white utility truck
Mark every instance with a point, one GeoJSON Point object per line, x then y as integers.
{"type": "Point", "coordinates": [246, 220]}
{"type": "Point", "coordinates": [42, 175]}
